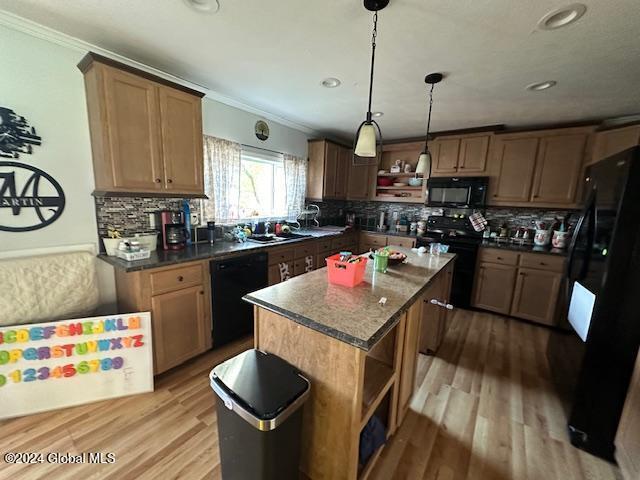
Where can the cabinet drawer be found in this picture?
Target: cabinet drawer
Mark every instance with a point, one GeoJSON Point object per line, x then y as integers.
{"type": "Point", "coordinates": [543, 262]}
{"type": "Point", "coordinates": [176, 278]}
{"type": "Point", "coordinates": [372, 239]}
{"type": "Point", "coordinates": [341, 242]}
{"type": "Point", "coordinates": [494, 255]}
{"type": "Point", "coordinates": [401, 241]}
{"type": "Point", "coordinates": [280, 255]}
{"type": "Point", "coordinates": [305, 249]}
{"type": "Point", "coordinates": [324, 245]}
{"type": "Point", "coordinates": [300, 266]}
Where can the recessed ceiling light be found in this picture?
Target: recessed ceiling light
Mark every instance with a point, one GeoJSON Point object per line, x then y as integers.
{"type": "Point", "coordinates": [561, 17]}
{"type": "Point", "coordinates": [205, 6]}
{"type": "Point", "coordinates": [331, 82]}
{"type": "Point", "coordinates": [538, 87]}
{"type": "Point", "coordinates": [377, 114]}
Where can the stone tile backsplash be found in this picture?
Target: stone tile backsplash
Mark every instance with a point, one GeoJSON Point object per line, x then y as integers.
{"type": "Point", "coordinates": [496, 216]}
{"type": "Point", "coordinates": [131, 214]}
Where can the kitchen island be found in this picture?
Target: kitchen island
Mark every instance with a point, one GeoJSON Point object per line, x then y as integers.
{"type": "Point", "coordinates": [359, 353]}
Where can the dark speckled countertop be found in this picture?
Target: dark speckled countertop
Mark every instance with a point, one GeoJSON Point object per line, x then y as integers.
{"type": "Point", "coordinates": [524, 248]}
{"type": "Point", "coordinates": [202, 251]}
{"type": "Point", "coordinates": [353, 315]}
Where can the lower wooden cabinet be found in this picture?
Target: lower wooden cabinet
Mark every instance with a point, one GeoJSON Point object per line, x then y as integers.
{"type": "Point", "coordinates": [406, 242]}
{"type": "Point", "coordinates": [494, 287]}
{"type": "Point", "coordinates": [372, 241]}
{"type": "Point", "coordinates": [179, 299]}
{"type": "Point", "coordinates": [535, 295]}
{"type": "Point", "coordinates": [179, 326]}
{"type": "Point", "coordinates": [433, 317]}
{"type": "Point", "coordinates": [409, 359]}
{"type": "Point", "coordinates": [628, 437]}
{"type": "Point", "coordinates": [523, 285]}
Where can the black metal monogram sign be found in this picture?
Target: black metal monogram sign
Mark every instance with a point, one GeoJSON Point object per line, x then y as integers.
{"type": "Point", "coordinates": [29, 198]}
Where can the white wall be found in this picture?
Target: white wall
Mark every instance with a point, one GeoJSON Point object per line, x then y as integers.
{"type": "Point", "coordinates": [230, 123]}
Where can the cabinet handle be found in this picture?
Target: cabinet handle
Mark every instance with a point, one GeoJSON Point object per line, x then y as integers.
{"type": "Point", "coordinates": [201, 292]}
{"type": "Point", "coordinates": [523, 274]}
{"type": "Point", "coordinates": [437, 302]}
{"type": "Point", "coordinates": [180, 278]}
{"type": "Point", "coordinates": [461, 166]}
{"type": "Point", "coordinates": [542, 263]}
{"type": "Point", "coordinates": [498, 258]}
{"type": "Point", "coordinates": [158, 180]}
{"type": "Point", "coordinates": [169, 180]}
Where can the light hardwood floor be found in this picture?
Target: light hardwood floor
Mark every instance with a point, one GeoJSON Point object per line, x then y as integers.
{"type": "Point", "coordinates": [484, 410]}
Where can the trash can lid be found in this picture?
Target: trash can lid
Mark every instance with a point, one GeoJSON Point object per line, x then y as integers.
{"type": "Point", "coordinates": [262, 384]}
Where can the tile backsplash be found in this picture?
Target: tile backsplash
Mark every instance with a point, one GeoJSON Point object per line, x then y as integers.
{"type": "Point", "coordinates": [496, 216]}
{"type": "Point", "coordinates": [131, 214]}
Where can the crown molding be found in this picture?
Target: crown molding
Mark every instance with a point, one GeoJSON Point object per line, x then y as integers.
{"type": "Point", "coordinates": [37, 30]}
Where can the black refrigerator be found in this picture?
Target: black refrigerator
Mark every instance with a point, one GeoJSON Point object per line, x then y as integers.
{"type": "Point", "coordinates": [593, 363]}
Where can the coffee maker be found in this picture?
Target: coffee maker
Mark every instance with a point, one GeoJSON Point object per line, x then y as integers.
{"type": "Point", "coordinates": [172, 229]}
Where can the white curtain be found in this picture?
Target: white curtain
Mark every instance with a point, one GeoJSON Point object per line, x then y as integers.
{"type": "Point", "coordinates": [295, 173]}
{"type": "Point", "coordinates": [221, 179]}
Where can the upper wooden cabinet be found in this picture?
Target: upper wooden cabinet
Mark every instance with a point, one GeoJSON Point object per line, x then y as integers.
{"type": "Point", "coordinates": [460, 155]}
{"type": "Point", "coordinates": [328, 172]}
{"type": "Point", "coordinates": [538, 168]}
{"type": "Point", "coordinates": [609, 142]}
{"type": "Point", "coordinates": [146, 133]}
{"type": "Point", "coordinates": [361, 180]}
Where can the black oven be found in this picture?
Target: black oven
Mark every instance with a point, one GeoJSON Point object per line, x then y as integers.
{"type": "Point", "coordinates": [457, 191]}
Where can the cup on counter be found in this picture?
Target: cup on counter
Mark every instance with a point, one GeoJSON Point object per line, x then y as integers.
{"type": "Point", "coordinates": [380, 262]}
{"type": "Point", "coordinates": [434, 248]}
{"type": "Point", "coordinates": [542, 237]}
{"type": "Point", "coordinates": [559, 239]}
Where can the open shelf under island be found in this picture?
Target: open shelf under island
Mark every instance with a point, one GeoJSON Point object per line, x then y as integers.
{"type": "Point", "coordinates": [358, 353]}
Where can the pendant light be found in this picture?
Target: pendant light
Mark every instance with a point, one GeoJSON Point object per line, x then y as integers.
{"type": "Point", "coordinates": [424, 161]}
{"type": "Point", "coordinates": [366, 141]}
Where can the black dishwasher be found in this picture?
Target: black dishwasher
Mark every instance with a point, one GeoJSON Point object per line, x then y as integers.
{"type": "Point", "coordinates": [231, 280]}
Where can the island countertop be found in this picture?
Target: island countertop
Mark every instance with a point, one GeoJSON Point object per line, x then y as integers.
{"type": "Point", "coordinates": [353, 315]}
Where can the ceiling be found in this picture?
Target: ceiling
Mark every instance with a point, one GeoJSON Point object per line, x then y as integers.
{"type": "Point", "coordinates": [274, 55]}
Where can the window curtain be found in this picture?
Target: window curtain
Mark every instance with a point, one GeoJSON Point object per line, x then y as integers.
{"type": "Point", "coordinates": [295, 173]}
{"type": "Point", "coordinates": [221, 179]}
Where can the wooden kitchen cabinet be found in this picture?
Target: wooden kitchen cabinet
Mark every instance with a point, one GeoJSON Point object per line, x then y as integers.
{"type": "Point", "coordinates": [627, 440]}
{"type": "Point", "coordinates": [433, 323]}
{"type": "Point", "coordinates": [536, 295]}
{"type": "Point", "coordinates": [615, 140]}
{"type": "Point", "coordinates": [179, 326]}
{"type": "Point", "coordinates": [538, 169]}
{"type": "Point", "coordinates": [146, 132]}
{"type": "Point", "coordinates": [182, 151]}
{"type": "Point", "coordinates": [179, 299]}
{"type": "Point", "coordinates": [328, 172]}
{"type": "Point", "coordinates": [493, 289]}
{"type": "Point", "coordinates": [512, 166]}
{"type": "Point", "coordinates": [361, 181]}
{"type": "Point", "coordinates": [460, 155]}
{"type": "Point", "coordinates": [406, 242]}
{"type": "Point", "coordinates": [407, 378]}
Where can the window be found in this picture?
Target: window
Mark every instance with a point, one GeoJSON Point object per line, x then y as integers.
{"type": "Point", "coordinates": [263, 190]}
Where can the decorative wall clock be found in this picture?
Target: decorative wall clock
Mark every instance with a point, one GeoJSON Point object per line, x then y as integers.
{"type": "Point", "coordinates": [262, 130]}
{"type": "Point", "coordinates": [16, 136]}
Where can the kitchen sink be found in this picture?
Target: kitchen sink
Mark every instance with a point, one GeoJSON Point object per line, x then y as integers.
{"type": "Point", "coordinates": [289, 236]}
{"type": "Point", "coordinates": [281, 237]}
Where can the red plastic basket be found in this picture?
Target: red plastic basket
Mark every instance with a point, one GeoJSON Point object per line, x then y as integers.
{"type": "Point", "coordinates": [344, 273]}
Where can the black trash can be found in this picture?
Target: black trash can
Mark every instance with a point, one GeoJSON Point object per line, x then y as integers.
{"type": "Point", "coordinates": [259, 416]}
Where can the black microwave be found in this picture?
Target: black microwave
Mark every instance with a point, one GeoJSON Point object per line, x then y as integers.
{"type": "Point", "coordinates": [468, 192]}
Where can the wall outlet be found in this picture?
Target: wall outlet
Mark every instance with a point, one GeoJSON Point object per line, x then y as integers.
{"type": "Point", "coordinates": [152, 221]}
{"type": "Point", "coordinates": [195, 219]}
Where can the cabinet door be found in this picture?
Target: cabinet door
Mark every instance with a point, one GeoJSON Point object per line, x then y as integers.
{"type": "Point", "coordinates": [611, 142]}
{"type": "Point", "coordinates": [182, 150]}
{"type": "Point", "coordinates": [445, 155]}
{"type": "Point", "coordinates": [409, 359]}
{"type": "Point", "coordinates": [473, 155]}
{"type": "Point", "coordinates": [432, 316]}
{"type": "Point", "coordinates": [513, 164]}
{"type": "Point", "coordinates": [133, 131]}
{"type": "Point", "coordinates": [360, 181]}
{"type": "Point", "coordinates": [342, 172]}
{"type": "Point", "coordinates": [536, 295]}
{"type": "Point", "coordinates": [493, 288]}
{"type": "Point", "coordinates": [628, 437]}
{"type": "Point", "coordinates": [179, 322]}
{"type": "Point", "coordinates": [274, 272]}
{"type": "Point", "coordinates": [331, 160]}
{"type": "Point", "coordinates": [315, 170]}
{"type": "Point", "coordinates": [558, 167]}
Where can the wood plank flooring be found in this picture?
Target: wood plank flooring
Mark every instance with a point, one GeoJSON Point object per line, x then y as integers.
{"type": "Point", "coordinates": [484, 410]}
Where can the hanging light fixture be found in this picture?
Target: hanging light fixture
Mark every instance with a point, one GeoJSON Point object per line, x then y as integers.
{"type": "Point", "coordinates": [424, 161]}
{"type": "Point", "coordinates": [366, 141]}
